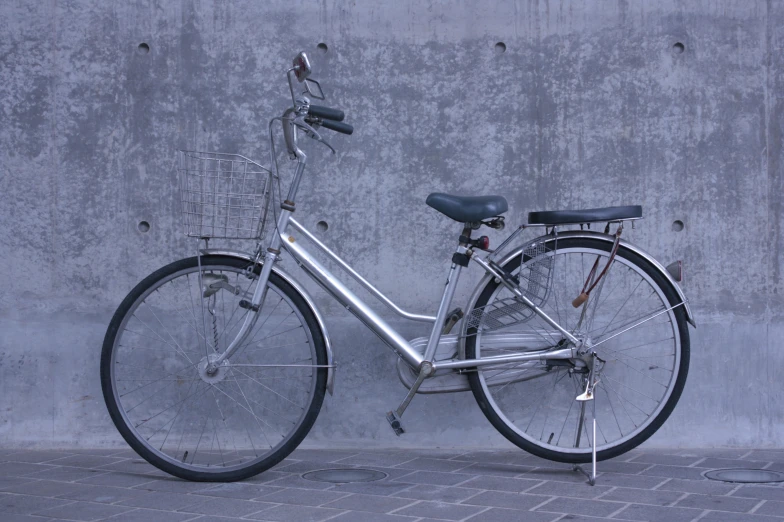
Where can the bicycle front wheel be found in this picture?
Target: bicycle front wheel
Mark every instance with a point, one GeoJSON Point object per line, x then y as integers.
{"type": "Point", "coordinates": [243, 418]}
{"type": "Point", "coordinates": [642, 344]}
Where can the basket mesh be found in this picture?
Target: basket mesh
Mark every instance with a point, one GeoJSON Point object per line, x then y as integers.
{"type": "Point", "coordinates": [223, 195]}
{"type": "Point", "coordinates": [535, 275]}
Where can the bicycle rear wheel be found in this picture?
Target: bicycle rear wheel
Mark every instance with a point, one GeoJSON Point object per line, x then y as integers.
{"type": "Point", "coordinates": [237, 422]}
{"type": "Point", "coordinates": [533, 403]}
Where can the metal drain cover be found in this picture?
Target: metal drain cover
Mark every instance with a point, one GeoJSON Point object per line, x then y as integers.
{"type": "Point", "coordinates": [749, 476]}
{"type": "Point", "coordinates": [342, 476]}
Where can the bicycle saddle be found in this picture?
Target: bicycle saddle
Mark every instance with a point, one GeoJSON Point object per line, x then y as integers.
{"type": "Point", "coordinates": [589, 215]}
{"type": "Point", "coordinates": [467, 209]}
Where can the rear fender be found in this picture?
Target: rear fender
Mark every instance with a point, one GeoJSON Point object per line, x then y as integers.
{"type": "Point", "coordinates": [583, 234]}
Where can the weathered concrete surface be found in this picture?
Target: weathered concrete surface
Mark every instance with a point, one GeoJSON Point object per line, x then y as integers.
{"type": "Point", "coordinates": [590, 105]}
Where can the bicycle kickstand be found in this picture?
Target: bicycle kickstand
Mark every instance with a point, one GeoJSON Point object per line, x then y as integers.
{"type": "Point", "coordinates": [395, 417]}
{"type": "Point", "coordinates": [584, 397]}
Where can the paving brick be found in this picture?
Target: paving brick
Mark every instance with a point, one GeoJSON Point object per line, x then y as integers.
{"type": "Point", "coordinates": [723, 516]}
{"type": "Point", "coordinates": [761, 492]}
{"type": "Point", "coordinates": [304, 498]}
{"type": "Point", "coordinates": [159, 500]}
{"type": "Point", "coordinates": [440, 510]}
{"type": "Point", "coordinates": [512, 515]}
{"type": "Point", "coordinates": [507, 500]}
{"type": "Point", "coordinates": [87, 511]}
{"type": "Point", "coordinates": [719, 503]}
{"type": "Point", "coordinates": [228, 507]}
{"type": "Point", "coordinates": [630, 481]}
{"type": "Point", "coordinates": [372, 488]}
{"type": "Point", "coordinates": [560, 474]}
{"type": "Point", "coordinates": [428, 464]}
{"type": "Point", "coordinates": [599, 508]}
{"type": "Point", "coordinates": [643, 496]}
{"type": "Point", "coordinates": [137, 466]}
{"type": "Point", "coordinates": [295, 481]}
{"type": "Point", "coordinates": [150, 515]}
{"type": "Point", "coordinates": [497, 469]}
{"type": "Point", "coordinates": [565, 489]}
{"type": "Point", "coordinates": [20, 469]}
{"type": "Point", "coordinates": [771, 507]}
{"type": "Point", "coordinates": [68, 474]}
{"type": "Point", "coordinates": [616, 466]}
{"type": "Point", "coordinates": [719, 463]}
{"type": "Point", "coordinates": [102, 494]}
{"type": "Point", "coordinates": [453, 494]}
{"type": "Point", "coordinates": [377, 459]}
{"type": "Point", "coordinates": [45, 488]}
{"type": "Point", "coordinates": [288, 513]}
{"type": "Point", "coordinates": [238, 490]}
{"type": "Point", "coordinates": [675, 472]}
{"type": "Point", "coordinates": [362, 516]}
{"type": "Point", "coordinates": [26, 504]}
{"type": "Point", "coordinates": [435, 478]}
{"type": "Point", "coordinates": [662, 458]}
{"type": "Point", "coordinates": [171, 485]}
{"type": "Point", "coordinates": [305, 466]}
{"type": "Point", "coordinates": [515, 485]}
{"type": "Point", "coordinates": [36, 457]}
{"type": "Point", "coordinates": [13, 482]}
{"type": "Point", "coordinates": [657, 513]}
{"type": "Point", "coordinates": [86, 461]}
{"type": "Point", "coordinates": [702, 487]}
{"type": "Point", "coordinates": [373, 503]}
{"type": "Point", "coordinates": [122, 480]}
{"type": "Point", "coordinates": [321, 455]}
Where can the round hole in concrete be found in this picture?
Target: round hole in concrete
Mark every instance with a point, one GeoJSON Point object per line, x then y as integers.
{"type": "Point", "coordinates": [344, 476]}
{"type": "Point", "coordinates": [500, 48]}
{"type": "Point", "coordinates": [143, 227]}
{"type": "Point", "coordinates": [322, 47]}
{"type": "Point", "coordinates": [678, 48]}
{"type": "Point", "coordinates": [677, 225]}
{"type": "Point", "coordinates": [143, 48]}
{"type": "Point", "coordinates": [322, 226]}
{"type": "Point", "coordinates": [745, 476]}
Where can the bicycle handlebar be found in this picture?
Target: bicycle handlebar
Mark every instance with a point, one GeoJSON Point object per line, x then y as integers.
{"type": "Point", "coordinates": [343, 128]}
{"type": "Point", "coordinates": [326, 113]}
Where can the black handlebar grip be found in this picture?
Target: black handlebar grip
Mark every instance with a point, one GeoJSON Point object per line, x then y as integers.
{"type": "Point", "coordinates": [326, 113]}
{"type": "Point", "coordinates": [345, 128]}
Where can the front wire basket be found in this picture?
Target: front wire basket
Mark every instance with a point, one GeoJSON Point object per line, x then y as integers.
{"type": "Point", "coordinates": [535, 276]}
{"type": "Point", "coordinates": [223, 195]}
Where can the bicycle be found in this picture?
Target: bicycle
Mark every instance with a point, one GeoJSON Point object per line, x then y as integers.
{"type": "Point", "coordinates": [215, 367]}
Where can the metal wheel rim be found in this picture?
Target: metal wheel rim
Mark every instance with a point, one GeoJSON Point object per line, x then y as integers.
{"type": "Point", "coordinates": [662, 403]}
{"type": "Point", "coordinates": [141, 439]}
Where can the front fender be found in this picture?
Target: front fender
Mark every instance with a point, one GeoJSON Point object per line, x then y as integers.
{"type": "Point", "coordinates": [305, 295]}
{"type": "Point", "coordinates": [585, 234]}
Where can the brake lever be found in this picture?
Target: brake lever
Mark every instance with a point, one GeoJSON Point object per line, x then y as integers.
{"type": "Point", "coordinates": [313, 134]}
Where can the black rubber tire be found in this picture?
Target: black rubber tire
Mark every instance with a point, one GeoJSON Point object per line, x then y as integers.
{"type": "Point", "coordinates": [256, 467]}
{"type": "Point", "coordinates": [683, 369]}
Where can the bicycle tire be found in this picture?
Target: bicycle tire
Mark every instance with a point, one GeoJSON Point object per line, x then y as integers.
{"type": "Point", "coordinates": [208, 467]}
{"type": "Point", "coordinates": [487, 396]}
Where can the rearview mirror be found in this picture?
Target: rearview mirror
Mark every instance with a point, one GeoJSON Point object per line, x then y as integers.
{"type": "Point", "coordinates": [302, 66]}
{"type": "Point", "coordinates": [314, 89]}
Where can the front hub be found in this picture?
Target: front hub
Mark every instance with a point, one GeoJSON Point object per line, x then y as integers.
{"type": "Point", "coordinates": [212, 373]}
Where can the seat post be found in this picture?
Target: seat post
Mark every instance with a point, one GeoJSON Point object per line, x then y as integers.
{"type": "Point", "coordinates": [459, 260]}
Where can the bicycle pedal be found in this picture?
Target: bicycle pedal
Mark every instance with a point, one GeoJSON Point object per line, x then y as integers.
{"type": "Point", "coordinates": [396, 423]}
{"type": "Point", "coordinates": [247, 305]}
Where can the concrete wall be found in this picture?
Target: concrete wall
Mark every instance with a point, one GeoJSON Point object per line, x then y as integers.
{"type": "Point", "coordinates": [590, 105]}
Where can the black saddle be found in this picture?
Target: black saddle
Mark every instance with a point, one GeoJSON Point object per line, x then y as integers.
{"type": "Point", "coordinates": [467, 209]}
{"type": "Point", "coordinates": [591, 215]}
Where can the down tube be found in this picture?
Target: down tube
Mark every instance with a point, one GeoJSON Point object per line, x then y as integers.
{"type": "Point", "coordinates": [352, 303]}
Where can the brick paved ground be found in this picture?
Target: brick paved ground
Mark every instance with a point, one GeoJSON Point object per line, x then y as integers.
{"type": "Point", "coordinates": [422, 485]}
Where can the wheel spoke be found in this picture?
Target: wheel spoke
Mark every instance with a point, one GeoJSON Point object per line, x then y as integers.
{"type": "Point", "coordinates": [638, 373]}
